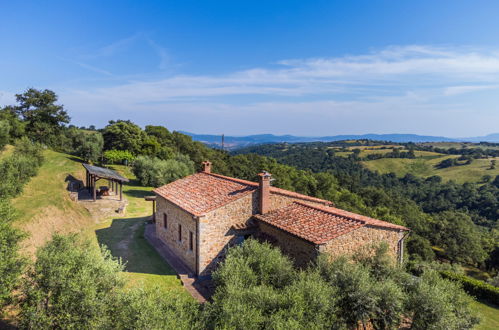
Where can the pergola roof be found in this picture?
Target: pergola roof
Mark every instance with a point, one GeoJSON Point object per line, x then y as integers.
{"type": "Point", "coordinates": [104, 173]}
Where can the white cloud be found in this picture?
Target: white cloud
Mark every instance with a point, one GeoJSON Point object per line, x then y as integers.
{"type": "Point", "coordinates": [398, 87]}
{"type": "Point", "coordinates": [456, 90]}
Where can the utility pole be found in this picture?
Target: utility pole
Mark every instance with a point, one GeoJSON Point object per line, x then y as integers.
{"type": "Point", "coordinates": [223, 141]}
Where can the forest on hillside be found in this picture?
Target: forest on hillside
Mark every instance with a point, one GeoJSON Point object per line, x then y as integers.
{"type": "Point", "coordinates": [453, 226]}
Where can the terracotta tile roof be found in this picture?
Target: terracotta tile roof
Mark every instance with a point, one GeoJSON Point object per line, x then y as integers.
{"type": "Point", "coordinates": [319, 224]}
{"type": "Point", "coordinates": [203, 192]}
{"type": "Point", "coordinates": [279, 191]}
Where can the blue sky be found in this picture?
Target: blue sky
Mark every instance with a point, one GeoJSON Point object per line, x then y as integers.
{"type": "Point", "coordinates": [248, 67]}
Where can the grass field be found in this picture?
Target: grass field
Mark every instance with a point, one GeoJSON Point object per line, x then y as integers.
{"type": "Point", "coordinates": [125, 238]}
{"type": "Point", "coordinates": [45, 208]}
{"type": "Point", "coordinates": [489, 316]}
{"type": "Point", "coordinates": [425, 167]}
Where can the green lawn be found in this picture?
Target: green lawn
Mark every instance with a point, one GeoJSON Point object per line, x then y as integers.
{"type": "Point", "coordinates": [490, 316]}
{"type": "Point", "coordinates": [44, 208]}
{"type": "Point", "coordinates": [125, 238]}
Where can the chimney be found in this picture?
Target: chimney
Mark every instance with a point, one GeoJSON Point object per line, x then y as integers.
{"type": "Point", "coordinates": [206, 166]}
{"type": "Point", "coordinates": [264, 191]}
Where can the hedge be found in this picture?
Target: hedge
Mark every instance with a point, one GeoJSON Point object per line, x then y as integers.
{"type": "Point", "coordinates": [474, 287]}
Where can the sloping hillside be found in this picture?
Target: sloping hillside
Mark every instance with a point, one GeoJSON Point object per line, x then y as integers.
{"type": "Point", "coordinates": [45, 208]}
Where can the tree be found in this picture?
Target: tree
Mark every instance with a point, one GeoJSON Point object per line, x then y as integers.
{"type": "Point", "coordinates": [44, 118]}
{"type": "Point", "coordinates": [71, 285]}
{"type": "Point", "coordinates": [11, 262]}
{"type": "Point", "coordinates": [123, 135]}
{"type": "Point", "coordinates": [4, 133]}
{"type": "Point", "coordinates": [16, 126]}
{"type": "Point", "coordinates": [88, 146]}
{"type": "Point", "coordinates": [459, 237]}
{"type": "Point", "coordinates": [440, 304]}
{"type": "Point", "coordinates": [154, 172]}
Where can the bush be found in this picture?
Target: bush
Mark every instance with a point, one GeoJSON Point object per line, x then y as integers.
{"type": "Point", "coordinates": [71, 285]}
{"type": "Point", "coordinates": [474, 287]}
{"type": "Point", "coordinates": [154, 172]}
{"type": "Point", "coordinates": [17, 169]}
{"type": "Point", "coordinates": [88, 146]}
{"type": "Point", "coordinates": [438, 303]}
{"type": "Point", "coordinates": [118, 156]}
{"type": "Point", "coordinates": [11, 263]}
{"type": "Point", "coordinates": [4, 133]}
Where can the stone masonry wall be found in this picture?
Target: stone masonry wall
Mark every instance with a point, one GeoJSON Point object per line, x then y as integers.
{"type": "Point", "coordinates": [363, 238]}
{"type": "Point", "coordinates": [216, 233]}
{"type": "Point", "coordinates": [169, 235]}
{"type": "Point", "coordinates": [299, 250]}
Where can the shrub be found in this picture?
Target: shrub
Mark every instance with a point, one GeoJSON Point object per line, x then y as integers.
{"type": "Point", "coordinates": [474, 287]}
{"type": "Point", "coordinates": [88, 146]}
{"type": "Point", "coordinates": [4, 133]}
{"type": "Point", "coordinates": [11, 263]}
{"type": "Point", "coordinates": [438, 303]}
{"type": "Point", "coordinates": [118, 156]}
{"type": "Point", "coordinates": [155, 172]}
{"type": "Point", "coordinates": [17, 169]}
{"type": "Point", "coordinates": [71, 285]}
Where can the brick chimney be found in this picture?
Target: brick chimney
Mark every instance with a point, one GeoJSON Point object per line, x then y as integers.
{"type": "Point", "coordinates": [264, 191]}
{"type": "Point", "coordinates": [206, 166]}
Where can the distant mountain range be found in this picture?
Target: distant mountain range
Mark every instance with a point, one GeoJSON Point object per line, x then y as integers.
{"type": "Point", "coordinates": [234, 142]}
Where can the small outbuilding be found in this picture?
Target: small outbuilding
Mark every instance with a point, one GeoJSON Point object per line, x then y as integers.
{"type": "Point", "coordinates": [95, 173]}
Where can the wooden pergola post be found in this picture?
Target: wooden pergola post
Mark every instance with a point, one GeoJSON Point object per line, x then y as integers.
{"type": "Point", "coordinates": [121, 191]}
{"type": "Point", "coordinates": [94, 188]}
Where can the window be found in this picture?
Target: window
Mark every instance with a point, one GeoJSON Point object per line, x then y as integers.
{"type": "Point", "coordinates": [191, 241]}
{"type": "Point", "coordinates": [180, 233]}
{"type": "Point", "coordinates": [165, 220]}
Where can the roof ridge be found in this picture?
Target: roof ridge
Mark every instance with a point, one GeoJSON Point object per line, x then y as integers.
{"type": "Point", "coordinates": [272, 189]}
{"type": "Point", "coordinates": [354, 216]}
{"type": "Point", "coordinates": [250, 183]}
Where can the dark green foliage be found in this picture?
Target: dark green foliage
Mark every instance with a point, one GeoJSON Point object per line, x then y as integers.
{"type": "Point", "coordinates": [456, 233]}
{"type": "Point", "coordinates": [474, 287]}
{"type": "Point", "coordinates": [153, 309]}
{"type": "Point", "coordinates": [123, 135]}
{"type": "Point", "coordinates": [17, 169]}
{"type": "Point", "coordinates": [11, 263]}
{"type": "Point", "coordinates": [71, 285]}
{"type": "Point", "coordinates": [88, 145]}
{"type": "Point", "coordinates": [16, 126]}
{"type": "Point", "coordinates": [4, 133]}
{"type": "Point", "coordinates": [257, 288]}
{"type": "Point", "coordinates": [118, 157]}
{"type": "Point", "coordinates": [74, 285]}
{"type": "Point", "coordinates": [154, 172]}
{"type": "Point", "coordinates": [437, 303]}
{"type": "Point", "coordinates": [420, 247]}
{"type": "Point", "coordinates": [44, 119]}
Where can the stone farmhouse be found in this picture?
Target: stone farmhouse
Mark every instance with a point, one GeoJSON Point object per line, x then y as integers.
{"type": "Point", "coordinates": [201, 215]}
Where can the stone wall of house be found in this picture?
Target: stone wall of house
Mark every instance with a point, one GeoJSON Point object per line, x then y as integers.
{"type": "Point", "coordinates": [299, 250]}
{"type": "Point", "coordinates": [170, 235]}
{"type": "Point", "coordinates": [216, 233]}
{"type": "Point", "coordinates": [363, 238]}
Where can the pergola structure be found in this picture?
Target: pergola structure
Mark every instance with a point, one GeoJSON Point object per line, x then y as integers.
{"type": "Point", "coordinates": [95, 173]}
